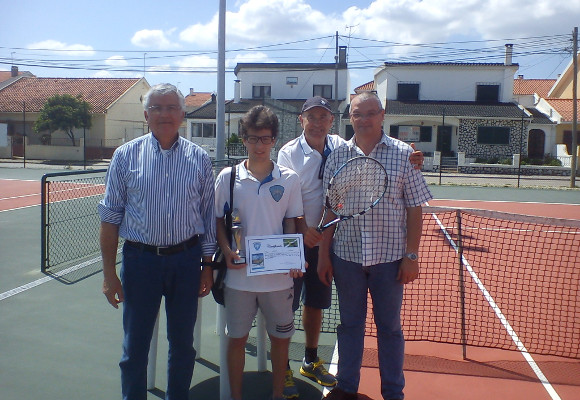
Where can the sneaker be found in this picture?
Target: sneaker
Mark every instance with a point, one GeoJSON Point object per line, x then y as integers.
{"type": "Point", "coordinates": [339, 394]}
{"type": "Point", "coordinates": [290, 389]}
{"type": "Point", "coordinates": [316, 371]}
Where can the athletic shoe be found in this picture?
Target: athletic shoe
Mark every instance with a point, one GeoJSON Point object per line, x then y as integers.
{"type": "Point", "coordinates": [290, 389]}
{"type": "Point", "coordinates": [316, 371]}
{"type": "Point", "coordinates": [339, 394]}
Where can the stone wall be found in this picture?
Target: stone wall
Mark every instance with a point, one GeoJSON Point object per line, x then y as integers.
{"type": "Point", "coordinates": [511, 170]}
{"type": "Point", "coordinates": [467, 139]}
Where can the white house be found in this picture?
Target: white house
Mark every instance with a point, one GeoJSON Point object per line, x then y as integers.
{"type": "Point", "coordinates": [455, 107]}
{"type": "Point", "coordinates": [281, 86]}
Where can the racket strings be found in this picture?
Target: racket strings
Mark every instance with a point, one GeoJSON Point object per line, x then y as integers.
{"type": "Point", "coordinates": [356, 187]}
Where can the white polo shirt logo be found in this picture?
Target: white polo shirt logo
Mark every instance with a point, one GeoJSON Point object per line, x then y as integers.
{"type": "Point", "coordinates": [277, 191]}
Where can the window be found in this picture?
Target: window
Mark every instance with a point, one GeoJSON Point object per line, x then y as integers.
{"type": "Point", "coordinates": [323, 91]}
{"type": "Point", "coordinates": [291, 80]}
{"type": "Point", "coordinates": [408, 91]}
{"type": "Point", "coordinates": [203, 130]}
{"type": "Point", "coordinates": [426, 133]}
{"type": "Point", "coordinates": [412, 133]}
{"type": "Point", "coordinates": [261, 92]}
{"type": "Point", "coordinates": [493, 135]}
{"type": "Point", "coordinates": [487, 94]}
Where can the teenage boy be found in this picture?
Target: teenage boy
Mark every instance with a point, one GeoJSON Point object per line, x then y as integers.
{"type": "Point", "coordinates": [267, 200]}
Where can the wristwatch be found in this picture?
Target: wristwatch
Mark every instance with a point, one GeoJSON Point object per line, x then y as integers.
{"type": "Point", "coordinates": [412, 256]}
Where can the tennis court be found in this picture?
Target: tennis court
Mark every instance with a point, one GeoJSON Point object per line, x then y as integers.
{"type": "Point", "coordinates": [60, 339]}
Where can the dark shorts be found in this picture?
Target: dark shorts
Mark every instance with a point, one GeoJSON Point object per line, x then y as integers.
{"type": "Point", "coordinates": [309, 288]}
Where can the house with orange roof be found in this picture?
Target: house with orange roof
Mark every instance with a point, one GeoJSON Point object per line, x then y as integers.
{"type": "Point", "coordinates": [117, 117]}
{"type": "Point", "coordinates": [194, 99]}
{"type": "Point", "coordinates": [8, 77]}
{"type": "Point", "coordinates": [558, 104]}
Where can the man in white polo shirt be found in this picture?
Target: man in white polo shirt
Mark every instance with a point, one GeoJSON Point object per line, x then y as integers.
{"type": "Point", "coordinates": [307, 156]}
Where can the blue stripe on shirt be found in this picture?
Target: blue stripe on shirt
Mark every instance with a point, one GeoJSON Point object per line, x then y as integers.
{"type": "Point", "coordinates": [161, 198]}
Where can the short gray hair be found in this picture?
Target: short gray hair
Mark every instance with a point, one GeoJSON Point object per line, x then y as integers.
{"type": "Point", "coordinates": [368, 95]}
{"type": "Point", "coordinates": [163, 89]}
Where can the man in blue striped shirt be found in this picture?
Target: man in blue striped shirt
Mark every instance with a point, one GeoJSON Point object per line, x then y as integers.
{"type": "Point", "coordinates": [159, 197]}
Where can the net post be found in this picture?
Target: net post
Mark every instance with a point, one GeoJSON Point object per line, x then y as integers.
{"type": "Point", "coordinates": [43, 213]}
{"type": "Point", "coordinates": [461, 283]}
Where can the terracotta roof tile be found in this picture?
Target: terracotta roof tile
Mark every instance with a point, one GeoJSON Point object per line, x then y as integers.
{"type": "Point", "coordinates": [197, 99]}
{"type": "Point", "coordinates": [100, 93]}
{"type": "Point", "coordinates": [531, 86]}
{"type": "Point", "coordinates": [564, 107]}
{"type": "Point", "coordinates": [365, 87]}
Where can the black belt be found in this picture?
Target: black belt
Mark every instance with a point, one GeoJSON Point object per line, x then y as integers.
{"type": "Point", "coordinates": [165, 250]}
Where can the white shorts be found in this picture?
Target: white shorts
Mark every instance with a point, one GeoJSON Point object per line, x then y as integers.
{"type": "Point", "coordinates": [242, 307]}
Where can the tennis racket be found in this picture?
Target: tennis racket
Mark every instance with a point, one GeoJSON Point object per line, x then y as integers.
{"type": "Point", "coordinates": [356, 187]}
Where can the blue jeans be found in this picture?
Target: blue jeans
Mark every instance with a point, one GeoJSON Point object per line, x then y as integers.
{"type": "Point", "coordinates": [352, 282]}
{"type": "Point", "coordinates": [147, 277]}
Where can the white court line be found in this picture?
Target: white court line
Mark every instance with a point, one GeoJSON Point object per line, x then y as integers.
{"type": "Point", "coordinates": [549, 388]}
{"type": "Point", "coordinates": [20, 197]}
{"type": "Point", "coordinates": [23, 288]}
{"type": "Point", "coordinates": [20, 208]}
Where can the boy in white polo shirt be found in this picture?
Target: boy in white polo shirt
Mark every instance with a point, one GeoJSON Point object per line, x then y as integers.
{"type": "Point", "coordinates": [267, 199]}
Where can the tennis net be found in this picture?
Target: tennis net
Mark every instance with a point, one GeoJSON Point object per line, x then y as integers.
{"type": "Point", "coordinates": [488, 279]}
{"type": "Point", "coordinates": [492, 279]}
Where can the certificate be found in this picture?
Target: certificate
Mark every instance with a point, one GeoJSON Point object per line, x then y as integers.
{"type": "Point", "coordinates": [274, 254]}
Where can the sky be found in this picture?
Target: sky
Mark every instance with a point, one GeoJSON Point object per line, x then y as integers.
{"type": "Point", "coordinates": [176, 41]}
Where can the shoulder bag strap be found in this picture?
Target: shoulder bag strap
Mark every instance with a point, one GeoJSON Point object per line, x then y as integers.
{"type": "Point", "coordinates": [229, 213]}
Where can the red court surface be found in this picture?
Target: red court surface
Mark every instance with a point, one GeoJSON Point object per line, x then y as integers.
{"type": "Point", "coordinates": [568, 211]}
{"type": "Point", "coordinates": [18, 194]}
{"type": "Point", "coordinates": [438, 370]}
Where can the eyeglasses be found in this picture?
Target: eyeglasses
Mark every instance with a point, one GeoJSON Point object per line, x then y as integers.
{"type": "Point", "coordinates": [358, 116]}
{"type": "Point", "coordinates": [172, 109]}
{"type": "Point", "coordinates": [256, 139]}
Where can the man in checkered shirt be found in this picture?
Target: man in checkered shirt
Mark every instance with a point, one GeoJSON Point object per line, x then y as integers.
{"type": "Point", "coordinates": [376, 252]}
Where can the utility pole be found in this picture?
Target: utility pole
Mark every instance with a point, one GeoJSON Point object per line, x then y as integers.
{"type": "Point", "coordinates": [24, 132]}
{"type": "Point", "coordinates": [574, 160]}
{"type": "Point", "coordinates": [336, 61]}
{"type": "Point", "coordinates": [221, 85]}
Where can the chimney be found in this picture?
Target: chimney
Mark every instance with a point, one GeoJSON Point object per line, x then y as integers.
{"type": "Point", "coordinates": [191, 91]}
{"type": "Point", "coordinates": [237, 91]}
{"type": "Point", "coordinates": [342, 55]}
{"type": "Point", "coordinates": [509, 50]}
{"type": "Point", "coordinates": [14, 71]}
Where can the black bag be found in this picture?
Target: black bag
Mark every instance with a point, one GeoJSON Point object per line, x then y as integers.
{"type": "Point", "coordinates": [219, 261]}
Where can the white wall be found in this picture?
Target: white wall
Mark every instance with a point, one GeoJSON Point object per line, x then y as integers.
{"type": "Point", "coordinates": [66, 153]}
{"type": "Point", "coordinates": [306, 79]}
{"type": "Point", "coordinates": [445, 82]}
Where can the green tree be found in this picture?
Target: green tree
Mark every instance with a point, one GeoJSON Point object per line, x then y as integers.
{"type": "Point", "coordinates": [64, 112]}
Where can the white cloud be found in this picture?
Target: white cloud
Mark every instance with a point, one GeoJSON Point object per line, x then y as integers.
{"type": "Point", "coordinates": [103, 74]}
{"type": "Point", "coordinates": [197, 63]}
{"type": "Point", "coordinates": [264, 21]}
{"type": "Point", "coordinates": [255, 57]}
{"type": "Point", "coordinates": [256, 22]}
{"type": "Point", "coordinates": [63, 48]}
{"type": "Point", "coordinates": [153, 39]}
{"type": "Point", "coordinates": [116, 61]}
